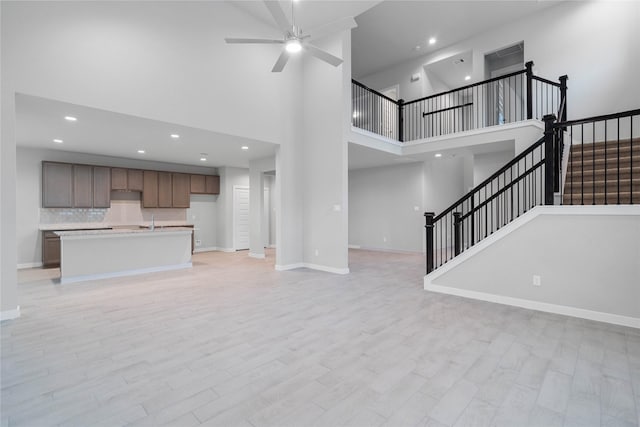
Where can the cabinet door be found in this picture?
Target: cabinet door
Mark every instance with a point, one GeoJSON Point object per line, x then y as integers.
{"type": "Point", "coordinates": [50, 249]}
{"type": "Point", "coordinates": [197, 184]}
{"type": "Point", "coordinates": [134, 180]}
{"type": "Point", "coordinates": [57, 185]}
{"type": "Point", "coordinates": [101, 187]}
{"type": "Point", "coordinates": [118, 179]}
{"type": "Point", "coordinates": [82, 186]}
{"type": "Point", "coordinates": [212, 184]}
{"type": "Point", "coordinates": [165, 192]}
{"type": "Point", "coordinates": [181, 183]}
{"type": "Point", "coordinates": [150, 189]}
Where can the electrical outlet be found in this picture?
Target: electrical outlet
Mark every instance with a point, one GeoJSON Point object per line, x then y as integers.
{"type": "Point", "coordinates": [317, 252]}
{"type": "Point", "coordinates": [537, 280]}
{"type": "Point", "coordinates": [198, 242]}
{"type": "Point", "coordinates": [384, 239]}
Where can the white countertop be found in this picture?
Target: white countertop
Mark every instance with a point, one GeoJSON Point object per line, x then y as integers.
{"type": "Point", "coordinates": [136, 231]}
{"type": "Point", "coordinates": [98, 225]}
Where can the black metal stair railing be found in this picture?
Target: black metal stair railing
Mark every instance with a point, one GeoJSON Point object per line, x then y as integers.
{"type": "Point", "coordinates": [506, 99]}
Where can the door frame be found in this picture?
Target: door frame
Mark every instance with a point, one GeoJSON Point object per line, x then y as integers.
{"type": "Point", "coordinates": [233, 213]}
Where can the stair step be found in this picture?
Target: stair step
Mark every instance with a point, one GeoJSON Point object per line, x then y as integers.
{"type": "Point", "coordinates": [589, 162]}
{"type": "Point", "coordinates": [599, 197]}
{"type": "Point", "coordinates": [611, 172]}
{"type": "Point", "coordinates": [600, 145]}
{"type": "Point", "coordinates": [611, 151]}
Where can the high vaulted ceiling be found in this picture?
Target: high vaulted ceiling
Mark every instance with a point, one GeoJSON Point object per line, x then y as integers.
{"type": "Point", "coordinates": [389, 32]}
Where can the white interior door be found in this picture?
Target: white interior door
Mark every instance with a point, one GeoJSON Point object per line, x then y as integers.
{"type": "Point", "coordinates": [240, 218]}
{"type": "Point", "coordinates": [265, 218]}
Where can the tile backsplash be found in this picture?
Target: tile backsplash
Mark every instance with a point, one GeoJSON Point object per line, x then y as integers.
{"type": "Point", "coordinates": [126, 209]}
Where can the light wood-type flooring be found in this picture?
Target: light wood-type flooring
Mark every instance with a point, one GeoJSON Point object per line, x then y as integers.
{"type": "Point", "coordinates": [232, 342]}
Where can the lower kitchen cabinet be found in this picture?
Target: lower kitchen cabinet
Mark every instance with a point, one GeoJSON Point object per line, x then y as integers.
{"type": "Point", "coordinates": [50, 249]}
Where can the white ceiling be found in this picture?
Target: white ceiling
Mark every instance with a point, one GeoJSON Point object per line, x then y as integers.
{"type": "Point", "coordinates": [39, 121]}
{"type": "Point", "coordinates": [388, 33]}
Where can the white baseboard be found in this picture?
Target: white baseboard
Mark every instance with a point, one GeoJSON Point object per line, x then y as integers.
{"type": "Point", "coordinates": [391, 251]}
{"type": "Point", "coordinates": [226, 249]}
{"type": "Point", "coordinates": [26, 265]}
{"type": "Point", "coordinates": [327, 268]}
{"type": "Point", "coordinates": [353, 246]}
{"type": "Point", "coordinates": [289, 266]}
{"type": "Point", "coordinates": [10, 314]}
{"type": "Point", "coordinates": [205, 249]}
{"type": "Point", "coordinates": [312, 267]}
{"type": "Point", "coordinates": [582, 313]}
{"type": "Point", "coordinates": [272, 246]}
{"type": "Point", "coordinates": [74, 279]}
{"type": "Point", "coordinates": [257, 256]}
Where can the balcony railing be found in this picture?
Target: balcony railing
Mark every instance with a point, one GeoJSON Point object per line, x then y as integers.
{"type": "Point", "coordinates": [506, 99]}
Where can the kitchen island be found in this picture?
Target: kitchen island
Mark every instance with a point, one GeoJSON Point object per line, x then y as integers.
{"type": "Point", "coordinates": [99, 254]}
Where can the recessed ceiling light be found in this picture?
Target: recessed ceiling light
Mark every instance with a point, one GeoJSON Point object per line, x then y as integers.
{"type": "Point", "coordinates": [437, 155]}
{"type": "Point", "coordinates": [293, 46]}
{"type": "Point", "coordinates": [432, 40]}
{"type": "Point", "coordinates": [467, 77]}
{"type": "Point", "coordinates": [70, 118]}
{"type": "Point", "coordinates": [140, 151]}
{"type": "Point", "coordinates": [244, 147]}
{"type": "Point", "coordinates": [175, 136]}
{"type": "Point", "coordinates": [58, 141]}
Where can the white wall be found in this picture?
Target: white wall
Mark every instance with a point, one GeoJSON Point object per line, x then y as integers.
{"type": "Point", "coordinates": [586, 261]}
{"type": "Point", "coordinates": [444, 182]}
{"type": "Point", "coordinates": [382, 204]}
{"type": "Point", "coordinates": [597, 44]}
{"type": "Point", "coordinates": [203, 213]}
{"type": "Point", "coordinates": [327, 122]}
{"type": "Point", "coordinates": [485, 164]}
{"type": "Point", "coordinates": [29, 195]}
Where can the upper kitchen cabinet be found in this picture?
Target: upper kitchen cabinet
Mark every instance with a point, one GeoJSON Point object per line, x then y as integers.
{"type": "Point", "coordinates": [57, 185]}
{"type": "Point", "coordinates": [82, 186]}
{"type": "Point", "coordinates": [101, 187]}
{"type": "Point", "coordinates": [150, 189]}
{"type": "Point", "coordinates": [212, 184]}
{"type": "Point", "coordinates": [126, 179]}
{"type": "Point", "coordinates": [165, 191]}
{"type": "Point", "coordinates": [181, 189]}
{"type": "Point", "coordinates": [134, 180]}
{"type": "Point", "coordinates": [205, 184]}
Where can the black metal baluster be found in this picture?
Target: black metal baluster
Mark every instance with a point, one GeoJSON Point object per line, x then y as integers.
{"type": "Point", "coordinates": [593, 160]}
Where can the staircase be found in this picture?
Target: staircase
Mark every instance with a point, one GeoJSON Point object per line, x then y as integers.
{"type": "Point", "coordinates": [603, 173]}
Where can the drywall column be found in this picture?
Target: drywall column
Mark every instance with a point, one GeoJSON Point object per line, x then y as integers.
{"type": "Point", "coordinates": [9, 308]}
{"type": "Point", "coordinates": [326, 117]}
{"type": "Point", "coordinates": [256, 203]}
{"type": "Point", "coordinates": [289, 182]}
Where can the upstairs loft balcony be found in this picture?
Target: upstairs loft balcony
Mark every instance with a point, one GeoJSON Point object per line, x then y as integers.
{"type": "Point", "coordinates": [506, 99]}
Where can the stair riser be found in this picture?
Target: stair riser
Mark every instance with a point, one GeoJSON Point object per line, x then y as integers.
{"type": "Point", "coordinates": [611, 154]}
{"type": "Point", "coordinates": [612, 163]}
{"type": "Point", "coordinates": [612, 199]}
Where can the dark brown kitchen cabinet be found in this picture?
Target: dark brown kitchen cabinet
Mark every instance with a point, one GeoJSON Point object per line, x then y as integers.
{"type": "Point", "coordinates": [119, 179]}
{"type": "Point", "coordinates": [197, 184]}
{"type": "Point", "coordinates": [50, 249]}
{"type": "Point", "coordinates": [165, 191]}
{"type": "Point", "coordinates": [57, 185]}
{"type": "Point", "coordinates": [126, 179]}
{"type": "Point", "coordinates": [150, 189]}
{"type": "Point", "coordinates": [212, 184]}
{"type": "Point", "coordinates": [181, 190]}
{"type": "Point", "coordinates": [101, 187]}
{"type": "Point", "coordinates": [134, 180]}
{"type": "Point", "coordinates": [82, 186]}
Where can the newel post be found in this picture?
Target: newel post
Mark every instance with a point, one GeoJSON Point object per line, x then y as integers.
{"type": "Point", "coordinates": [428, 225]}
{"type": "Point", "coordinates": [457, 233]}
{"type": "Point", "coordinates": [401, 120]}
{"type": "Point", "coordinates": [529, 73]}
{"type": "Point", "coordinates": [549, 167]}
{"type": "Point", "coordinates": [563, 97]}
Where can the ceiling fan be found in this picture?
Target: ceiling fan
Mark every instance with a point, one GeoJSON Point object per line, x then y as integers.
{"type": "Point", "coordinates": [294, 39]}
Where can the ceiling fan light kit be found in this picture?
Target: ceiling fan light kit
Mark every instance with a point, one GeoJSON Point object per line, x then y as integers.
{"type": "Point", "coordinates": [294, 40]}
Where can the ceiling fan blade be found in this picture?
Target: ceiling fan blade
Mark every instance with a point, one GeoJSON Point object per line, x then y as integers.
{"type": "Point", "coordinates": [332, 28]}
{"type": "Point", "coordinates": [278, 15]}
{"type": "Point", "coordinates": [252, 41]}
{"type": "Point", "coordinates": [281, 62]}
{"type": "Point", "coordinates": [321, 54]}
